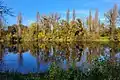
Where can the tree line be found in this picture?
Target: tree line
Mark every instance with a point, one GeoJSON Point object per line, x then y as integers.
{"type": "Point", "coordinates": [53, 28]}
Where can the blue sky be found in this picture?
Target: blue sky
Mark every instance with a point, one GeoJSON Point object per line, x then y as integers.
{"type": "Point", "coordinates": [28, 8]}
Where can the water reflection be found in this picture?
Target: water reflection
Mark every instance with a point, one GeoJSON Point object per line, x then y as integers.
{"type": "Point", "coordinates": [37, 57]}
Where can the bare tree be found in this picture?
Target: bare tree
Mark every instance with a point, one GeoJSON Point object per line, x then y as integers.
{"type": "Point", "coordinates": [1, 26]}
{"type": "Point", "coordinates": [4, 10]}
{"type": "Point", "coordinates": [38, 17]}
{"type": "Point", "coordinates": [97, 25]}
{"type": "Point", "coordinates": [119, 15]}
{"type": "Point", "coordinates": [74, 16]}
{"type": "Point", "coordinates": [67, 15]}
{"type": "Point", "coordinates": [93, 27]}
{"type": "Point", "coordinates": [38, 21]}
{"type": "Point", "coordinates": [112, 17]}
{"type": "Point", "coordinates": [57, 17]}
{"type": "Point", "coordinates": [96, 21]}
{"type": "Point", "coordinates": [19, 22]}
{"type": "Point", "coordinates": [90, 21]}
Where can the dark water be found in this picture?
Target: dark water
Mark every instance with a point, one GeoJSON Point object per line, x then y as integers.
{"type": "Point", "coordinates": [37, 57]}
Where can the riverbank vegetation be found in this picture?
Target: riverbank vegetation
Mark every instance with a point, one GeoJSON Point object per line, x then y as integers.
{"type": "Point", "coordinates": [53, 28]}
{"type": "Point", "coordinates": [100, 70]}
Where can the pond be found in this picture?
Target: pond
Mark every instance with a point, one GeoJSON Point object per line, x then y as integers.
{"type": "Point", "coordinates": [37, 57]}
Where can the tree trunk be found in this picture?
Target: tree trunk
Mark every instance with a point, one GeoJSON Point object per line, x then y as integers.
{"type": "Point", "coordinates": [0, 33]}
{"type": "Point", "coordinates": [113, 32]}
{"type": "Point", "coordinates": [19, 32]}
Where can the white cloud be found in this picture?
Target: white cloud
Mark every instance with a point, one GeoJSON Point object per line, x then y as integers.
{"type": "Point", "coordinates": [30, 21]}
{"type": "Point", "coordinates": [102, 19]}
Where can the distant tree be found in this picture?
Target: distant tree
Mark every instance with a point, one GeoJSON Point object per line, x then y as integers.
{"type": "Point", "coordinates": [112, 17]}
{"type": "Point", "coordinates": [1, 23]}
{"type": "Point", "coordinates": [74, 15]}
{"type": "Point", "coordinates": [53, 20]}
{"type": "Point", "coordinates": [90, 21]}
{"type": "Point", "coordinates": [96, 21]}
{"type": "Point", "coordinates": [102, 29]}
{"type": "Point", "coordinates": [1, 27]}
{"type": "Point", "coordinates": [93, 25]}
{"type": "Point", "coordinates": [19, 19]}
{"type": "Point", "coordinates": [38, 22]}
{"type": "Point", "coordinates": [19, 23]}
{"type": "Point", "coordinates": [57, 17]}
{"type": "Point", "coordinates": [97, 24]}
{"type": "Point", "coordinates": [38, 19]}
{"type": "Point", "coordinates": [119, 16]}
{"type": "Point", "coordinates": [67, 15]}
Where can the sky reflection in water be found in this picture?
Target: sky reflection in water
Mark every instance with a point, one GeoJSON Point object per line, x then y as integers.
{"type": "Point", "coordinates": [38, 59]}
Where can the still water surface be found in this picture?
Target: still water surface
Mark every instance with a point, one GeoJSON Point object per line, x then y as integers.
{"type": "Point", "coordinates": [37, 57]}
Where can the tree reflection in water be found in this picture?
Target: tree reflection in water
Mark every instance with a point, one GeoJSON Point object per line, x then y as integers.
{"type": "Point", "coordinates": [1, 52]}
{"type": "Point", "coordinates": [66, 55]}
{"type": "Point", "coordinates": [20, 55]}
{"type": "Point", "coordinates": [38, 58]}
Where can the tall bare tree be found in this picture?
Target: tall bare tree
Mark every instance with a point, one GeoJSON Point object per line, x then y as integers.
{"type": "Point", "coordinates": [38, 20]}
{"type": "Point", "coordinates": [74, 15]}
{"type": "Point", "coordinates": [97, 26]}
{"type": "Point", "coordinates": [68, 15]}
{"type": "Point", "coordinates": [93, 27]}
{"type": "Point", "coordinates": [57, 17]}
{"type": "Point", "coordinates": [19, 23]}
{"type": "Point", "coordinates": [96, 21]}
{"type": "Point", "coordinates": [112, 17]}
{"type": "Point", "coordinates": [90, 21]}
{"type": "Point", "coordinates": [1, 26]}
